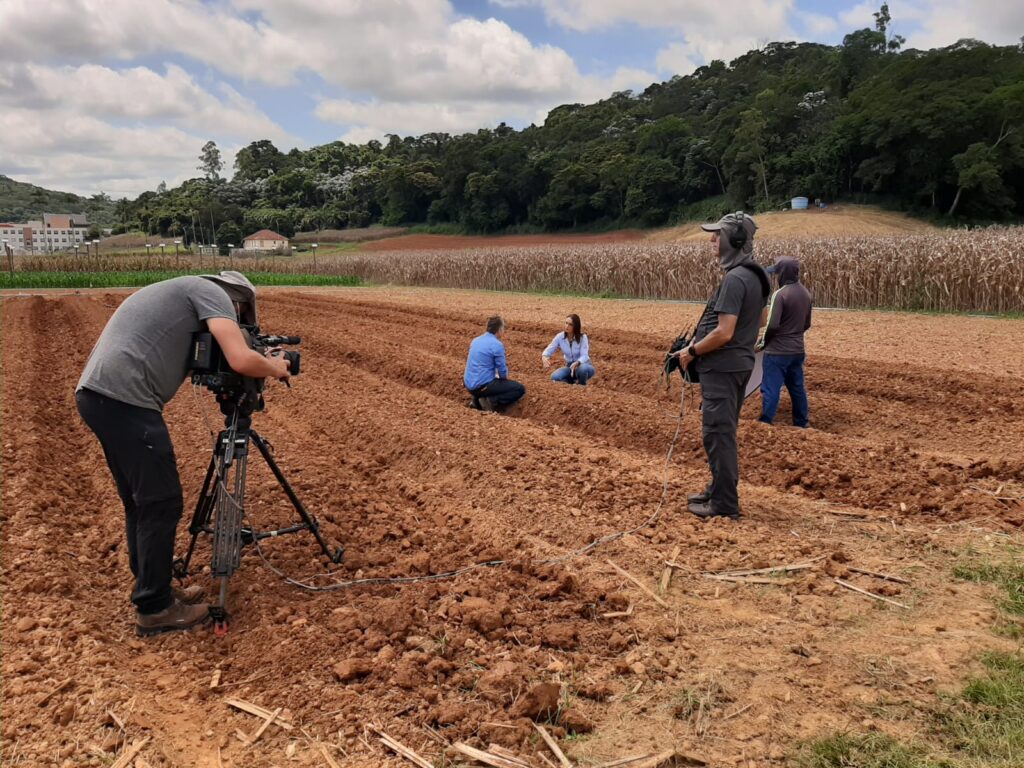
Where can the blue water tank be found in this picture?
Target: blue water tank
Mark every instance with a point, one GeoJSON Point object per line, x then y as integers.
{"type": "Point", "coordinates": [798, 203]}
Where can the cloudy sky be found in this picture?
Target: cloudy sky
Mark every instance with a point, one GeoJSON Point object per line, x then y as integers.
{"type": "Point", "coordinates": [117, 95]}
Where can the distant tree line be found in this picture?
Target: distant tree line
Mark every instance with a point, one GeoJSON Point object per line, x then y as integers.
{"type": "Point", "coordinates": [21, 202]}
{"type": "Point", "coordinates": [938, 132]}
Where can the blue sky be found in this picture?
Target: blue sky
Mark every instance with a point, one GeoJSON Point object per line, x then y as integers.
{"type": "Point", "coordinates": [117, 95]}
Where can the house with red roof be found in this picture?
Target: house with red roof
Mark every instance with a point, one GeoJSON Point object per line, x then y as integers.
{"type": "Point", "coordinates": [265, 240]}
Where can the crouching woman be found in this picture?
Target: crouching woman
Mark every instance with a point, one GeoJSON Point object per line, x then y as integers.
{"type": "Point", "coordinates": [575, 348]}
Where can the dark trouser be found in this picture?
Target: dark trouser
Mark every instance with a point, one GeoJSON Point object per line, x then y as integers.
{"type": "Point", "coordinates": [501, 392]}
{"type": "Point", "coordinates": [788, 370]}
{"type": "Point", "coordinates": [722, 395]}
{"type": "Point", "coordinates": [141, 458]}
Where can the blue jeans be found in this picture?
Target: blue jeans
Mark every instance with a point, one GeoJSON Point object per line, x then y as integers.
{"type": "Point", "coordinates": [788, 370]}
{"type": "Point", "coordinates": [584, 373]}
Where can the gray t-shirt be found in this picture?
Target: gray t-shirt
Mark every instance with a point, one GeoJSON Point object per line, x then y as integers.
{"type": "Point", "coordinates": [738, 294]}
{"type": "Point", "coordinates": [141, 357]}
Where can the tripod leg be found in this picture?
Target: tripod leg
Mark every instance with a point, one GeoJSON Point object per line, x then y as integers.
{"type": "Point", "coordinates": [308, 519]}
{"type": "Point", "coordinates": [227, 532]}
{"type": "Point", "coordinates": [200, 519]}
{"type": "Point", "coordinates": [218, 612]}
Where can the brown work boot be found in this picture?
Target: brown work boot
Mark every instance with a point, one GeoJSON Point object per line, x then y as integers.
{"type": "Point", "coordinates": [189, 595]}
{"type": "Point", "coordinates": [177, 616]}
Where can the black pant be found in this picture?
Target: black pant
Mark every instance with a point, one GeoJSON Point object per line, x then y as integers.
{"type": "Point", "coordinates": [722, 395]}
{"type": "Point", "coordinates": [141, 458]}
{"type": "Point", "coordinates": [501, 392]}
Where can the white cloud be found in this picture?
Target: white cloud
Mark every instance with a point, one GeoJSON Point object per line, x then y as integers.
{"type": "Point", "coordinates": [138, 94]}
{"type": "Point", "coordinates": [88, 30]}
{"type": "Point", "coordinates": [816, 24]}
{"type": "Point", "coordinates": [678, 59]}
{"type": "Point", "coordinates": [859, 16]}
{"type": "Point", "coordinates": [943, 22]}
{"type": "Point", "coordinates": [755, 17]}
{"type": "Point", "coordinates": [707, 29]}
{"type": "Point", "coordinates": [80, 153]}
{"type": "Point", "coordinates": [372, 119]}
{"type": "Point", "coordinates": [938, 23]}
{"type": "Point", "coordinates": [89, 127]}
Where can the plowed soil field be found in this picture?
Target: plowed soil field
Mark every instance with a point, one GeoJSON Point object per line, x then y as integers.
{"type": "Point", "coordinates": [916, 454]}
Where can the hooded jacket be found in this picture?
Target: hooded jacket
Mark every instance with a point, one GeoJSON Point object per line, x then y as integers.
{"type": "Point", "coordinates": [742, 292]}
{"type": "Point", "coordinates": [789, 312]}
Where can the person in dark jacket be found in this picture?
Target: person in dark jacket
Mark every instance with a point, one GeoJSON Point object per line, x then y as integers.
{"type": "Point", "coordinates": [723, 355]}
{"type": "Point", "coordinates": [789, 317]}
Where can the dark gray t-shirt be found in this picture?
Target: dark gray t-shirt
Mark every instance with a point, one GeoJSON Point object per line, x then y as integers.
{"type": "Point", "coordinates": [738, 294]}
{"type": "Point", "coordinates": [141, 357]}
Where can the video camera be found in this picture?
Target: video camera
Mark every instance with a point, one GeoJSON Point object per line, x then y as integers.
{"type": "Point", "coordinates": [672, 361]}
{"type": "Point", "coordinates": [209, 368]}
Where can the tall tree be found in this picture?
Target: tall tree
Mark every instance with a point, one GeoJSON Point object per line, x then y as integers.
{"type": "Point", "coordinates": [210, 161]}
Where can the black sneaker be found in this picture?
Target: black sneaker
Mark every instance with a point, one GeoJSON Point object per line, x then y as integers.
{"type": "Point", "coordinates": [486, 404]}
{"type": "Point", "coordinates": [706, 510]}
{"type": "Point", "coordinates": [698, 498]}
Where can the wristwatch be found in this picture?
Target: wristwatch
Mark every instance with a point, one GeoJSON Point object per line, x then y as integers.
{"type": "Point", "coordinates": [692, 351]}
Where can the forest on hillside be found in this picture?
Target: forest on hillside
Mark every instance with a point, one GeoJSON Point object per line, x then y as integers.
{"type": "Point", "coordinates": [24, 202]}
{"type": "Point", "coordinates": [937, 133]}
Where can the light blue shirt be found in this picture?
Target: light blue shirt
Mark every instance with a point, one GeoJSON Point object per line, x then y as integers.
{"type": "Point", "coordinates": [572, 351]}
{"type": "Point", "coordinates": [486, 358]}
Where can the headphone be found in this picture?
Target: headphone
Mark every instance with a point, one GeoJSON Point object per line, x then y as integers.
{"type": "Point", "coordinates": [739, 235]}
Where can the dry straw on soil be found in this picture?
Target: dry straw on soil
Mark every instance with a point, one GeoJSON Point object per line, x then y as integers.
{"type": "Point", "coordinates": [980, 271]}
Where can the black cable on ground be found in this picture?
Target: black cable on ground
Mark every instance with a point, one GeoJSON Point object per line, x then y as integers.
{"type": "Point", "coordinates": [383, 581]}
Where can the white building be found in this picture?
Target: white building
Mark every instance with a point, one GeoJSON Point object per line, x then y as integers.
{"type": "Point", "coordinates": [56, 232]}
{"type": "Point", "coordinates": [265, 240]}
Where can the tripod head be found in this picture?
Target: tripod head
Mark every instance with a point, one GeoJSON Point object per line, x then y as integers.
{"type": "Point", "coordinates": [238, 408]}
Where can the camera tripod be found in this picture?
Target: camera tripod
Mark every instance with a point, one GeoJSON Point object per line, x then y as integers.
{"type": "Point", "coordinates": [220, 509]}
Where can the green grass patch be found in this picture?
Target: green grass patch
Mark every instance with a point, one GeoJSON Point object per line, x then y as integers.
{"type": "Point", "coordinates": [139, 279]}
{"type": "Point", "coordinates": [982, 727]}
{"type": "Point", "coordinates": [847, 750]}
{"type": "Point", "coordinates": [987, 725]}
{"type": "Point", "coordinates": [1009, 577]}
{"type": "Point", "coordinates": [440, 228]}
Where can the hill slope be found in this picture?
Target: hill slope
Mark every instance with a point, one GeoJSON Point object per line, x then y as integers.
{"type": "Point", "coordinates": [20, 201]}
{"type": "Point", "coordinates": [834, 221]}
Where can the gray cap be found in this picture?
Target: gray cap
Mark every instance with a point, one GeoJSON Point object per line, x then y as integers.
{"type": "Point", "coordinates": [236, 284]}
{"type": "Point", "coordinates": [238, 287]}
{"type": "Point", "coordinates": [733, 255]}
{"type": "Point", "coordinates": [731, 221]}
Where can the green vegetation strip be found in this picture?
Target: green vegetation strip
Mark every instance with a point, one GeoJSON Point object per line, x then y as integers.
{"type": "Point", "coordinates": [138, 279]}
{"type": "Point", "coordinates": [983, 727]}
{"type": "Point", "coordinates": [1009, 577]}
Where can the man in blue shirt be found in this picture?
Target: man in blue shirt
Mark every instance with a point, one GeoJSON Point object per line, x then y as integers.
{"type": "Point", "coordinates": [486, 375]}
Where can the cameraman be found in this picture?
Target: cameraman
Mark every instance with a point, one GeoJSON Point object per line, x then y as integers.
{"type": "Point", "coordinates": [136, 367]}
{"type": "Point", "coordinates": [723, 353]}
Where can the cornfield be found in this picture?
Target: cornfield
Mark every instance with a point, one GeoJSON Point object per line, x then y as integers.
{"type": "Point", "coordinates": [958, 271]}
